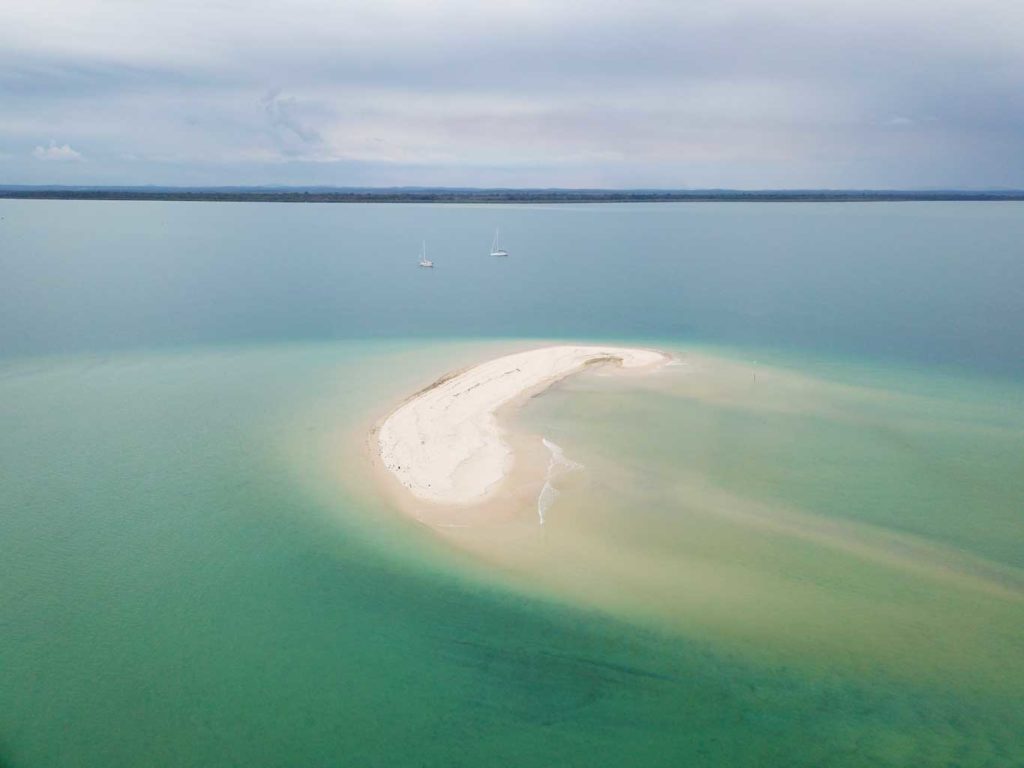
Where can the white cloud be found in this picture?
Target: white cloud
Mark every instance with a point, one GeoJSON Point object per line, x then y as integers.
{"type": "Point", "coordinates": [54, 152]}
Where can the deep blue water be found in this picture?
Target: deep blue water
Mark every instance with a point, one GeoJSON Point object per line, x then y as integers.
{"type": "Point", "coordinates": [934, 283]}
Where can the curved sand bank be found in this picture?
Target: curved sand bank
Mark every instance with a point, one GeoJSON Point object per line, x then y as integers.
{"type": "Point", "coordinates": [444, 444]}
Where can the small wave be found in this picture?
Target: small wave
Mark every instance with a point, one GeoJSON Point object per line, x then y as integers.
{"type": "Point", "coordinates": [547, 497]}
{"type": "Point", "coordinates": [558, 465]}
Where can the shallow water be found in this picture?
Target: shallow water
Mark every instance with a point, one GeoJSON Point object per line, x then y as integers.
{"type": "Point", "coordinates": [195, 572]}
{"type": "Point", "coordinates": [794, 514]}
{"type": "Point", "coordinates": [769, 557]}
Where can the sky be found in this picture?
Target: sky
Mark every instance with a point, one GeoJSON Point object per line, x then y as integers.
{"type": "Point", "coordinates": [749, 94]}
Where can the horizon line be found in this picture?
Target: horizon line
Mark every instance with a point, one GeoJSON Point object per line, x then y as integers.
{"type": "Point", "coordinates": [462, 188]}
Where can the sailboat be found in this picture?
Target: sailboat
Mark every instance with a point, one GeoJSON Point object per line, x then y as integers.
{"type": "Point", "coordinates": [495, 249]}
{"type": "Point", "coordinates": [424, 261]}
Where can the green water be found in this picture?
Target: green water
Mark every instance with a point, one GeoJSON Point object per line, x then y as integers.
{"type": "Point", "coordinates": [802, 547]}
{"type": "Point", "coordinates": [193, 575]}
{"type": "Point", "coordinates": [794, 515]}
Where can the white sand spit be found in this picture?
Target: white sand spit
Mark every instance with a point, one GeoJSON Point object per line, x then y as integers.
{"type": "Point", "coordinates": [445, 443]}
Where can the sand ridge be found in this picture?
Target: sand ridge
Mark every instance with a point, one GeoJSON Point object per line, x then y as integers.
{"type": "Point", "coordinates": [444, 444]}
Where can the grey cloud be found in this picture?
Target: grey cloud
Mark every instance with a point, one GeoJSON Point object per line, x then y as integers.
{"type": "Point", "coordinates": [291, 133]}
{"type": "Point", "coordinates": [732, 93]}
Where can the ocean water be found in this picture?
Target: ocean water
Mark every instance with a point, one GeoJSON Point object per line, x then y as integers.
{"type": "Point", "coordinates": [802, 545]}
{"type": "Point", "coordinates": [924, 283]}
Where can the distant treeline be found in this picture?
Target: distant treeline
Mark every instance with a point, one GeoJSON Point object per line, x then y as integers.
{"type": "Point", "coordinates": [428, 195]}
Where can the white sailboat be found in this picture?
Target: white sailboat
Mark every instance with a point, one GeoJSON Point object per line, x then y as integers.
{"type": "Point", "coordinates": [424, 261]}
{"type": "Point", "coordinates": [495, 248]}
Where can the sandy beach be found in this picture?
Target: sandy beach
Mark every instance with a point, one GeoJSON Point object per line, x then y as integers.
{"type": "Point", "coordinates": [445, 444]}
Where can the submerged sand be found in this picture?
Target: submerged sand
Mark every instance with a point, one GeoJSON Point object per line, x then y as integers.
{"type": "Point", "coordinates": [445, 444]}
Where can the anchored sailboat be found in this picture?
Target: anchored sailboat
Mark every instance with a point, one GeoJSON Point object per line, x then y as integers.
{"type": "Point", "coordinates": [495, 249]}
{"type": "Point", "coordinates": [424, 261]}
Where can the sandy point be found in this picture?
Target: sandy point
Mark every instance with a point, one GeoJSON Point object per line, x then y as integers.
{"type": "Point", "coordinates": [445, 444]}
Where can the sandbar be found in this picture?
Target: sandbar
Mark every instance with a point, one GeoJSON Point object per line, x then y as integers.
{"type": "Point", "coordinates": [445, 444]}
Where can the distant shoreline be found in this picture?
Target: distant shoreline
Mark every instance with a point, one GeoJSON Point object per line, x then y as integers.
{"type": "Point", "coordinates": [442, 195]}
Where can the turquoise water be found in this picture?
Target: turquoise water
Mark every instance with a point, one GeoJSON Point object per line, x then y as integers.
{"type": "Point", "coordinates": [822, 568]}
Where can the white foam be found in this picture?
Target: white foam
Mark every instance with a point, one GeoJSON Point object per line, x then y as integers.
{"type": "Point", "coordinates": [558, 465]}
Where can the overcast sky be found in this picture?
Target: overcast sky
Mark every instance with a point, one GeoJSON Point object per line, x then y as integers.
{"type": "Point", "coordinates": [687, 93]}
